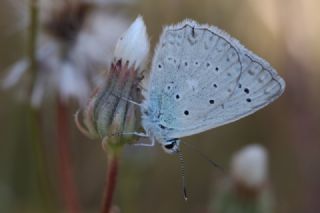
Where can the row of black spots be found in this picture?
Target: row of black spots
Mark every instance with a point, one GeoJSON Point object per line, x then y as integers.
{"type": "Point", "coordinates": [171, 60]}
{"type": "Point", "coordinates": [247, 91]}
{"type": "Point", "coordinates": [196, 63]}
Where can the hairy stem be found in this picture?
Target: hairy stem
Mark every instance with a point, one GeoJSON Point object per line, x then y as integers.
{"type": "Point", "coordinates": [111, 181]}
{"type": "Point", "coordinates": [65, 166]}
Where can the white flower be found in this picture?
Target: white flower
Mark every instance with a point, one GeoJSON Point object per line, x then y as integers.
{"type": "Point", "coordinates": [133, 46]}
{"type": "Point", "coordinates": [249, 166]}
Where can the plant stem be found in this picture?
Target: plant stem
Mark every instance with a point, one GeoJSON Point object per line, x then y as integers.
{"type": "Point", "coordinates": [65, 166]}
{"type": "Point", "coordinates": [34, 119]}
{"type": "Point", "coordinates": [111, 181]}
{"type": "Point", "coordinates": [38, 152]}
{"type": "Point", "coordinates": [33, 36]}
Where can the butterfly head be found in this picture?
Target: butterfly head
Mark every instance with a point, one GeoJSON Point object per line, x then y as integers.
{"type": "Point", "coordinates": [171, 146]}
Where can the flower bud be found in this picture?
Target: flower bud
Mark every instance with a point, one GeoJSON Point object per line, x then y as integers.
{"type": "Point", "coordinates": [133, 46]}
{"type": "Point", "coordinates": [109, 112]}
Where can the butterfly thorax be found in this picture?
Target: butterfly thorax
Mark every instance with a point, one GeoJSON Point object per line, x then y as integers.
{"type": "Point", "coordinates": [156, 129]}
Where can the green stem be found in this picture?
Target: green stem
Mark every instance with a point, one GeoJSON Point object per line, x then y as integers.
{"type": "Point", "coordinates": [36, 143]}
{"type": "Point", "coordinates": [38, 152]}
{"type": "Point", "coordinates": [33, 36]}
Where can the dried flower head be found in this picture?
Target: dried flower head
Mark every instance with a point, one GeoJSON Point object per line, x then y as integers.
{"type": "Point", "coordinates": [109, 110]}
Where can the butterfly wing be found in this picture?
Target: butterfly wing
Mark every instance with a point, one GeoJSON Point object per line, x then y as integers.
{"type": "Point", "coordinates": [202, 78]}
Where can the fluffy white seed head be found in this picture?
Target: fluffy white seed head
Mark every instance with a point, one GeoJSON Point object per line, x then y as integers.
{"type": "Point", "coordinates": [68, 68]}
{"type": "Point", "coordinates": [249, 166]}
{"type": "Point", "coordinates": [133, 46]}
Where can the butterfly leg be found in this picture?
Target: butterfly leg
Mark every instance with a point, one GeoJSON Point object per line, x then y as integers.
{"type": "Point", "coordinates": [105, 140]}
{"type": "Point", "coordinates": [140, 134]}
{"type": "Point", "coordinates": [146, 144]}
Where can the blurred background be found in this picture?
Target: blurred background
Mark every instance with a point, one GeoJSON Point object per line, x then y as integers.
{"type": "Point", "coordinates": [285, 33]}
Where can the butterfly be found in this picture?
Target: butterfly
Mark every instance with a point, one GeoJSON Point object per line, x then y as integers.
{"type": "Point", "coordinates": [202, 78]}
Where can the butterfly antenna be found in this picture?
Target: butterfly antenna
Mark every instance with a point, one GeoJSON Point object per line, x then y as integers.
{"type": "Point", "coordinates": [182, 169]}
{"type": "Point", "coordinates": [128, 100]}
{"type": "Point", "coordinates": [205, 157]}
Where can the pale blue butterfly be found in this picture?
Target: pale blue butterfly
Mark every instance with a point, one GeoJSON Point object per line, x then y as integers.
{"type": "Point", "coordinates": [202, 78]}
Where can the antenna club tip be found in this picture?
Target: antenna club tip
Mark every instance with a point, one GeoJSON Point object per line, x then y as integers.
{"type": "Point", "coordinates": [185, 196]}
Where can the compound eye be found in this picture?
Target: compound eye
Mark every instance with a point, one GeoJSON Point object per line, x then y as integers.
{"type": "Point", "coordinates": [169, 145]}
